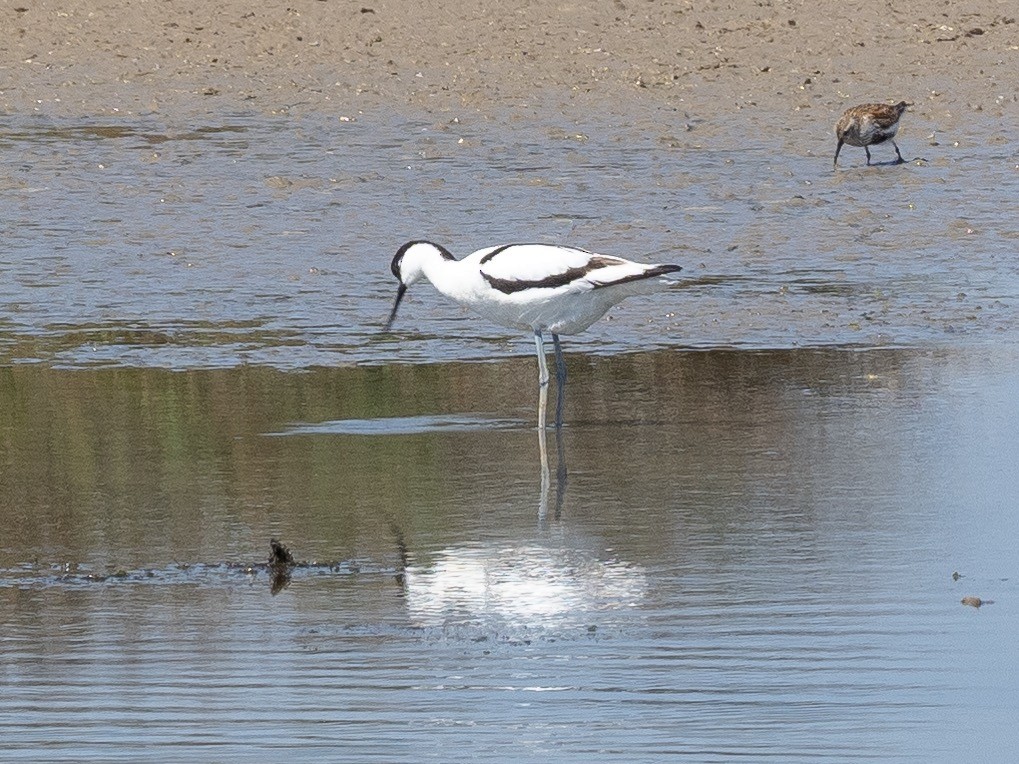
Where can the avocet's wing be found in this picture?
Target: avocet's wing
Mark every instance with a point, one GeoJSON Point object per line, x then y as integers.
{"type": "Point", "coordinates": [516, 267]}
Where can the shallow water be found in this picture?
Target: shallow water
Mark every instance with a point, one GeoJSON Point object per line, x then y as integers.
{"type": "Point", "coordinates": [750, 555]}
{"type": "Point", "coordinates": [255, 241]}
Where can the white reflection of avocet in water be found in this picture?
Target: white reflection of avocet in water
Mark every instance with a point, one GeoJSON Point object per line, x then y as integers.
{"type": "Point", "coordinates": [523, 586]}
{"type": "Point", "coordinates": [527, 586]}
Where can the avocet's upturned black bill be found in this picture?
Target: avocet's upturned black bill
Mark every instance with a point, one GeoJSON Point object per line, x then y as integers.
{"type": "Point", "coordinates": [536, 287]}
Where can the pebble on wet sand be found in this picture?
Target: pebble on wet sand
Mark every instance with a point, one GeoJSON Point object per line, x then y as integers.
{"type": "Point", "coordinates": [975, 601]}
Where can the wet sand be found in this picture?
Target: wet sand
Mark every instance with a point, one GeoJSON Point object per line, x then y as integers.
{"type": "Point", "coordinates": [763, 62]}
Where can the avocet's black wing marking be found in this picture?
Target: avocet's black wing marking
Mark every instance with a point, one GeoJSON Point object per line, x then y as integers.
{"type": "Point", "coordinates": [648, 272]}
{"type": "Point", "coordinates": [517, 267]}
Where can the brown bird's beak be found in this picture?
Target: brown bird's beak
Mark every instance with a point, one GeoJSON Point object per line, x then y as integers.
{"type": "Point", "coordinates": [392, 315]}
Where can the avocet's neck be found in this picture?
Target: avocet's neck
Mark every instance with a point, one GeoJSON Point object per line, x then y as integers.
{"type": "Point", "coordinates": [422, 259]}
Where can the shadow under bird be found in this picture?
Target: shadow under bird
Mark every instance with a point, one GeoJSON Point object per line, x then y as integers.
{"type": "Point", "coordinates": [535, 287]}
{"type": "Point", "coordinates": [868, 125]}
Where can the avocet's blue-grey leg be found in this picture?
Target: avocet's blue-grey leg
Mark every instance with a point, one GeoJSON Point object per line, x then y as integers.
{"type": "Point", "coordinates": [543, 452]}
{"type": "Point", "coordinates": [539, 345]}
{"type": "Point", "coordinates": [560, 380]}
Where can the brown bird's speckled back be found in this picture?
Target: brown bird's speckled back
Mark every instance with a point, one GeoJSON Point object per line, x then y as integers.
{"type": "Point", "coordinates": [869, 124]}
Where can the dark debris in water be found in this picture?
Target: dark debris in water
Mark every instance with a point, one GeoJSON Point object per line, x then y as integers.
{"type": "Point", "coordinates": [279, 555]}
{"type": "Point", "coordinates": [281, 566]}
{"type": "Point", "coordinates": [281, 562]}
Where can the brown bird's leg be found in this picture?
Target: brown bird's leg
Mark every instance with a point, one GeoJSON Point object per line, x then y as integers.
{"type": "Point", "coordinates": [867, 149]}
{"type": "Point", "coordinates": [901, 160]}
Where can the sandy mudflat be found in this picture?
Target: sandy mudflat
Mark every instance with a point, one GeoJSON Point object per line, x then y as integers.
{"type": "Point", "coordinates": [187, 58]}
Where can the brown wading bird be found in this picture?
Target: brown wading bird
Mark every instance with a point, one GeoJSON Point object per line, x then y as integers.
{"type": "Point", "coordinates": [869, 124]}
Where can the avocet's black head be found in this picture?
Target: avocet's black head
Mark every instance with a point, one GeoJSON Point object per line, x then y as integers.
{"type": "Point", "coordinates": [408, 267]}
{"type": "Point", "coordinates": [398, 259]}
